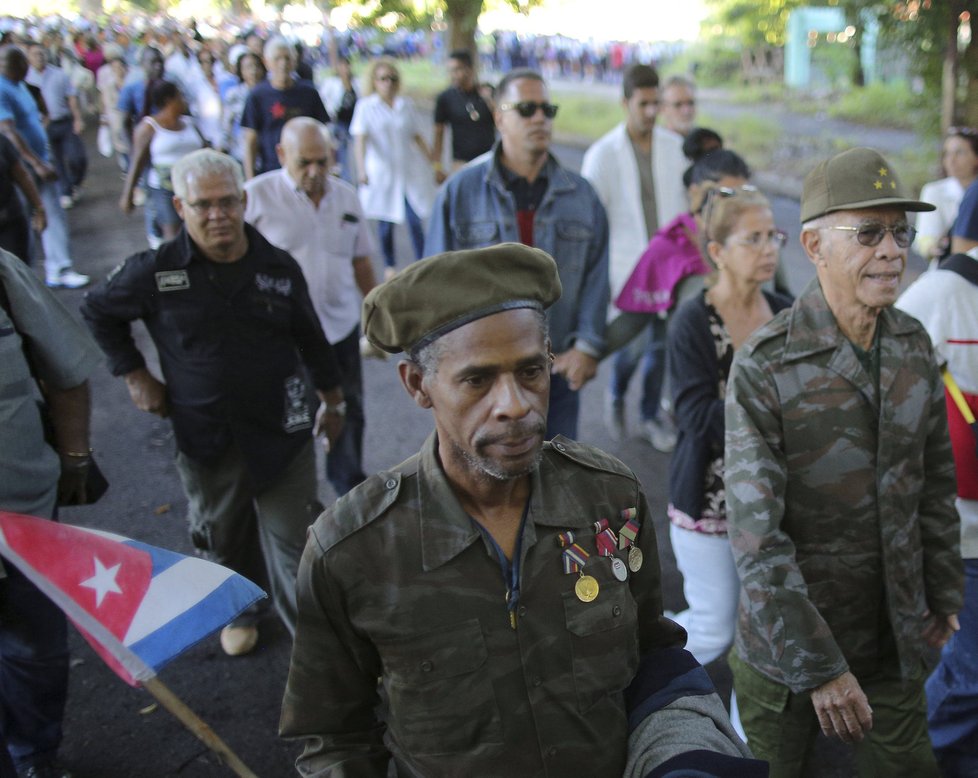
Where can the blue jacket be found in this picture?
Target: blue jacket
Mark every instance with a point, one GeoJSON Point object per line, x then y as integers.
{"type": "Point", "coordinates": [474, 209]}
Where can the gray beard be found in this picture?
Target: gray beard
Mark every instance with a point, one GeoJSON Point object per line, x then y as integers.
{"type": "Point", "coordinates": [487, 470]}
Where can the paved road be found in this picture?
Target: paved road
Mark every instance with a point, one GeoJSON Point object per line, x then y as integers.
{"type": "Point", "coordinates": [114, 731]}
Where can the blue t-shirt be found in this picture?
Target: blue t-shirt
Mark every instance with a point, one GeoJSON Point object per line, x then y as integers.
{"type": "Point", "coordinates": [966, 225]}
{"type": "Point", "coordinates": [131, 98]}
{"type": "Point", "coordinates": [17, 105]}
{"type": "Point", "coordinates": [268, 109]}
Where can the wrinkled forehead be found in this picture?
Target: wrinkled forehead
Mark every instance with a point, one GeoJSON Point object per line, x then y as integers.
{"type": "Point", "coordinates": [855, 216]}
{"type": "Point", "coordinates": [210, 184]}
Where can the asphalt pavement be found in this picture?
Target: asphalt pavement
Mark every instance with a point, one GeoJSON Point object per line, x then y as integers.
{"type": "Point", "coordinates": [116, 731]}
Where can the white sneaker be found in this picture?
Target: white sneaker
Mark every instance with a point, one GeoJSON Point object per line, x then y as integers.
{"type": "Point", "coordinates": [660, 434]}
{"type": "Point", "coordinates": [66, 202]}
{"type": "Point", "coordinates": [69, 279]}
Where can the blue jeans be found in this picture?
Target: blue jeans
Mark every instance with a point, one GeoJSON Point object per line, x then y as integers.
{"type": "Point", "coordinates": [344, 463]}
{"type": "Point", "coordinates": [33, 670]}
{"type": "Point", "coordinates": [57, 254]}
{"type": "Point", "coordinates": [68, 154]}
{"type": "Point", "coordinates": [565, 404]}
{"type": "Point", "coordinates": [341, 136]}
{"type": "Point", "coordinates": [649, 348]}
{"type": "Point", "coordinates": [952, 690]}
{"type": "Point", "coordinates": [387, 236]}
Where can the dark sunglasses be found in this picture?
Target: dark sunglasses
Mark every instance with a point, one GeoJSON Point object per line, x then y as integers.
{"type": "Point", "coordinates": [392, 79]}
{"type": "Point", "coordinates": [873, 234]}
{"type": "Point", "coordinates": [527, 108]}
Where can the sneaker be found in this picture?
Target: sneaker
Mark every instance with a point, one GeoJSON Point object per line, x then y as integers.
{"type": "Point", "coordinates": [76, 194]}
{"type": "Point", "coordinates": [139, 197]}
{"type": "Point", "coordinates": [66, 202]}
{"type": "Point", "coordinates": [69, 279]}
{"type": "Point", "coordinates": [660, 434]}
{"type": "Point", "coordinates": [238, 641]}
{"type": "Point", "coordinates": [614, 418]}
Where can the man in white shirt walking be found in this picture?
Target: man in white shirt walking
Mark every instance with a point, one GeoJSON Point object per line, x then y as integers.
{"type": "Point", "coordinates": [637, 169]}
{"type": "Point", "coordinates": [317, 218]}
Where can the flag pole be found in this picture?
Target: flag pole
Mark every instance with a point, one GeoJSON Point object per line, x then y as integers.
{"type": "Point", "coordinates": [196, 725]}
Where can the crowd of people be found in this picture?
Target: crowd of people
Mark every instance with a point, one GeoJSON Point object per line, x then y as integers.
{"type": "Point", "coordinates": [819, 507]}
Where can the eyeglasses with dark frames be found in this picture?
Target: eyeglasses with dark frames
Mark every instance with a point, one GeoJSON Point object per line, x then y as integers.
{"type": "Point", "coordinates": [872, 234]}
{"type": "Point", "coordinates": [528, 108]}
{"type": "Point", "coordinates": [389, 77]}
{"type": "Point", "coordinates": [223, 204]}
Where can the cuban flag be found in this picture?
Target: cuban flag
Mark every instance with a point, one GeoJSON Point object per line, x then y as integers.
{"type": "Point", "coordinates": [138, 605]}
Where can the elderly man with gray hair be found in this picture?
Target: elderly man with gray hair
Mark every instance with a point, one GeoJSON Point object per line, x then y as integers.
{"type": "Point", "coordinates": [219, 300]}
{"type": "Point", "coordinates": [840, 493]}
{"type": "Point", "coordinates": [272, 103]}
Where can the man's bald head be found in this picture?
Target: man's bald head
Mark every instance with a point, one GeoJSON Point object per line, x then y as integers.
{"type": "Point", "coordinates": [305, 152]}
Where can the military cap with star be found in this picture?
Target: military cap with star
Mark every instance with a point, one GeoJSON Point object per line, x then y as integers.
{"type": "Point", "coordinates": [853, 179]}
{"type": "Point", "coordinates": [434, 296]}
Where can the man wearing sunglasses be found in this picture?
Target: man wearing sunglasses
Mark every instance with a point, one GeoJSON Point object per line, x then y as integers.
{"type": "Point", "coordinates": [518, 192]}
{"type": "Point", "coordinates": [840, 493]}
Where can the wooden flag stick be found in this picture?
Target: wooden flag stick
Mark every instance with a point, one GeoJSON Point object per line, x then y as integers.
{"type": "Point", "coordinates": [197, 726]}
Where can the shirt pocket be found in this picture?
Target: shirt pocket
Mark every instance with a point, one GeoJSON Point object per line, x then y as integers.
{"type": "Point", "coordinates": [573, 242]}
{"type": "Point", "coordinates": [440, 690]}
{"type": "Point", "coordinates": [604, 641]}
{"type": "Point", "coordinates": [473, 235]}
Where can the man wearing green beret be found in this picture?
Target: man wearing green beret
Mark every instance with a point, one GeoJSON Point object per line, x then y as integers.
{"type": "Point", "coordinates": [840, 493]}
{"type": "Point", "coordinates": [502, 589]}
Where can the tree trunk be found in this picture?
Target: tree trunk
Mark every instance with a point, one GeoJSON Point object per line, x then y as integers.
{"type": "Point", "coordinates": [969, 62]}
{"type": "Point", "coordinates": [949, 73]}
{"type": "Point", "coordinates": [463, 19]}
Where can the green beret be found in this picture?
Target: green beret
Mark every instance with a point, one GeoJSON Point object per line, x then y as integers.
{"type": "Point", "coordinates": [434, 296]}
{"type": "Point", "coordinates": [857, 178]}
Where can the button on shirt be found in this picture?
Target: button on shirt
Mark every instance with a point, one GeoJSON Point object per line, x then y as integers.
{"type": "Point", "coordinates": [323, 239]}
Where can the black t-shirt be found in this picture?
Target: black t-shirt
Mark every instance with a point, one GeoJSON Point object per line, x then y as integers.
{"type": "Point", "coordinates": [267, 109]}
{"type": "Point", "coordinates": [473, 130]}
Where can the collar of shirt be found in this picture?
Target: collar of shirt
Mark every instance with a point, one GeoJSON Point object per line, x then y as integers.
{"type": "Point", "coordinates": [297, 189]}
{"type": "Point", "coordinates": [528, 195]}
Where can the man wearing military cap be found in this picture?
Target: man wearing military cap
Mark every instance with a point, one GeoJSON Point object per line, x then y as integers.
{"type": "Point", "coordinates": [502, 589]}
{"type": "Point", "coordinates": [840, 493]}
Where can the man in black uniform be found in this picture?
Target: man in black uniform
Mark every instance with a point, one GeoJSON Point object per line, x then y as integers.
{"type": "Point", "coordinates": [230, 315]}
{"type": "Point", "coordinates": [462, 108]}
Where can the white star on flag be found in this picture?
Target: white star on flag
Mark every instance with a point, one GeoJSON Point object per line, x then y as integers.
{"type": "Point", "coordinates": [103, 581]}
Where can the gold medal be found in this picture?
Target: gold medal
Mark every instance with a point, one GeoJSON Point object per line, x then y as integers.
{"type": "Point", "coordinates": [635, 559]}
{"type": "Point", "coordinates": [586, 588]}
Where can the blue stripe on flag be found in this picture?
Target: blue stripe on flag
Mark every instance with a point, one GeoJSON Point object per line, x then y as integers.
{"type": "Point", "coordinates": [162, 559]}
{"type": "Point", "coordinates": [196, 623]}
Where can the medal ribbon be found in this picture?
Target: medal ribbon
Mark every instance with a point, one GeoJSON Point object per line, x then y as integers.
{"type": "Point", "coordinates": [564, 539]}
{"type": "Point", "coordinates": [628, 533]}
{"type": "Point", "coordinates": [606, 542]}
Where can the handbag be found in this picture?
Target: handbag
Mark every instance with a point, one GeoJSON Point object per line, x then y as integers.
{"type": "Point", "coordinates": [104, 140]}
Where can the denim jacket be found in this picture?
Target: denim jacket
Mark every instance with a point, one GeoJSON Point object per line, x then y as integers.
{"type": "Point", "coordinates": [474, 209]}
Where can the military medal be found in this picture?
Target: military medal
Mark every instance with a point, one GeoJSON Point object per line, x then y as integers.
{"type": "Point", "coordinates": [586, 588]}
{"type": "Point", "coordinates": [618, 569]}
{"type": "Point", "coordinates": [604, 538]}
{"type": "Point", "coordinates": [635, 559]}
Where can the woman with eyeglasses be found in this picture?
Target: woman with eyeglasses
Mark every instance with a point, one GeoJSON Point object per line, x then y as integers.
{"type": "Point", "coordinates": [394, 162]}
{"type": "Point", "coordinates": [163, 136]}
{"type": "Point", "coordinates": [205, 102]}
{"type": "Point", "coordinates": [959, 161]}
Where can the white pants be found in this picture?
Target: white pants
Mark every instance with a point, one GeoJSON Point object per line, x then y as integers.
{"type": "Point", "coordinates": [711, 587]}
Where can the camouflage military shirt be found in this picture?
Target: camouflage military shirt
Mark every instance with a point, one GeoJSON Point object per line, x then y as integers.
{"type": "Point", "coordinates": [398, 583]}
{"type": "Point", "coordinates": [840, 497]}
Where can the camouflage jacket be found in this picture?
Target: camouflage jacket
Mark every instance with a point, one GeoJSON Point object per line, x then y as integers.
{"type": "Point", "coordinates": [840, 502]}
{"type": "Point", "coordinates": [398, 583]}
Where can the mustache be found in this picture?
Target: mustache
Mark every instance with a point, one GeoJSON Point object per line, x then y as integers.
{"type": "Point", "coordinates": [522, 429]}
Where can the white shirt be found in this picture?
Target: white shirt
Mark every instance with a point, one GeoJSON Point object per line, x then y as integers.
{"type": "Point", "coordinates": [931, 226]}
{"type": "Point", "coordinates": [947, 305]}
{"type": "Point", "coordinates": [611, 168]}
{"type": "Point", "coordinates": [395, 166]}
{"type": "Point", "coordinates": [324, 240]}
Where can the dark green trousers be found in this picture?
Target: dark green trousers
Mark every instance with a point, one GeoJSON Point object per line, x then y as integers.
{"type": "Point", "coordinates": [781, 726]}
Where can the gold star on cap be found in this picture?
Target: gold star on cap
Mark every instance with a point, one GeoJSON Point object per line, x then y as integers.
{"type": "Point", "coordinates": [892, 184]}
{"type": "Point", "coordinates": [878, 184]}
{"type": "Point", "coordinates": [884, 171]}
